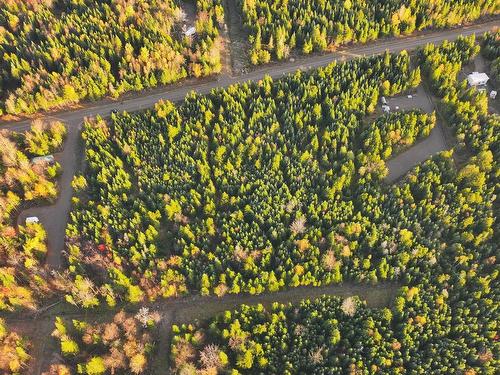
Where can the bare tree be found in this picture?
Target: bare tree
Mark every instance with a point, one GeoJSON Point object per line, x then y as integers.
{"type": "Point", "coordinates": [298, 226]}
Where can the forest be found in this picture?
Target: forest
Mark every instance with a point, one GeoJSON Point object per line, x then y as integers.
{"type": "Point", "coordinates": [260, 187]}
{"type": "Point", "coordinates": [278, 27]}
{"type": "Point", "coordinates": [251, 188]}
{"type": "Point", "coordinates": [269, 185]}
{"type": "Point", "coordinates": [57, 53]}
{"type": "Point", "coordinates": [13, 351]}
{"type": "Point", "coordinates": [491, 50]}
{"type": "Point", "coordinates": [24, 182]}
{"type": "Point", "coordinates": [121, 345]}
{"type": "Point", "coordinates": [445, 317]}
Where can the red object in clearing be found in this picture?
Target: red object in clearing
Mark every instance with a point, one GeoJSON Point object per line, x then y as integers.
{"type": "Point", "coordinates": [101, 248]}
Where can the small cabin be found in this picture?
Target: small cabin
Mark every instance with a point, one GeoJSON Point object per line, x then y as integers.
{"type": "Point", "coordinates": [32, 220]}
{"type": "Point", "coordinates": [477, 79]}
{"type": "Point", "coordinates": [386, 108]}
{"type": "Point", "coordinates": [383, 100]}
{"type": "Point", "coordinates": [493, 94]}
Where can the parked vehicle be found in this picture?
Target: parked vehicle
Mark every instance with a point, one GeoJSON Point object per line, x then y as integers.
{"type": "Point", "coordinates": [49, 159]}
{"type": "Point", "coordinates": [32, 220]}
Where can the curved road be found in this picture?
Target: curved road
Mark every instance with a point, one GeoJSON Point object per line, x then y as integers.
{"type": "Point", "coordinates": [399, 165]}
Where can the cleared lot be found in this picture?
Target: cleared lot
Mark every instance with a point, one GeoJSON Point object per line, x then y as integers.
{"type": "Point", "coordinates": [419, 100]}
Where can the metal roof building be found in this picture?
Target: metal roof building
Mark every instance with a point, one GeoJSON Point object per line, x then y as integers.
{"type": "Point", "coordinates": [478, 79]}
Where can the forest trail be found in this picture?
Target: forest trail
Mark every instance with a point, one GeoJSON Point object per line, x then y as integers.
{"type": "Point", "coordinates": [182, 310]}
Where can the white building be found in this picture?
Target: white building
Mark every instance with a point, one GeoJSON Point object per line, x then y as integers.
{"type": "Point", "coordinates": [477, 79]}
{"type": "Point", "coordinates": [493, 94]}
{"type": "Point", "coordinates": [190, 32]}
{"type": "Point", "coordinates": [386, 108]}
{"type": "Point", "coordinates": [32, 220]}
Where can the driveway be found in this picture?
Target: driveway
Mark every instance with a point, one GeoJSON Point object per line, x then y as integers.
{"type": "Point", "coordinates": [423, 149]}
{"type": "Point", "coordinates": [54, 217]}
{"type": "Point", "coordinates": [418, 153]}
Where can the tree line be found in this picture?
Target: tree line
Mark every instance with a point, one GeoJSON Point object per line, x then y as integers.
{"type": "Point", "coordinates": [491, 50]}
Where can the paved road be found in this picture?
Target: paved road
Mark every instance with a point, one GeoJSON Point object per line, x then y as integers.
{"type": "Point", "coordinates": [54, 217]}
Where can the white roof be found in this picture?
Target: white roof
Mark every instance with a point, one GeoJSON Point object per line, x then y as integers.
{"type": "Point", "coordinates": [32, 220]}
{"type": "Point", "coordinates": [476, 78]}
{"type": "Point", "coordinates": [190, 31]}
{"type": "Point", "coordinates": [43, 159]}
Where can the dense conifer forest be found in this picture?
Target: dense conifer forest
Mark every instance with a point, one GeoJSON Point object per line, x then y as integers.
{"type": "Point", "coordinates": [277, 27]}
{"type": "Point", "coordinates": [250, 189]}
{"type": "Point", "coordinates": [445, 317]}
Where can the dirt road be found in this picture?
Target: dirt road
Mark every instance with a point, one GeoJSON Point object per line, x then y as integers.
{"type": "Point", "coordinates": [182, 310]}
{"type": "Point", "coordinates": [55, 217]}
{"type": "Point", "coordinates": [176, 92]}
